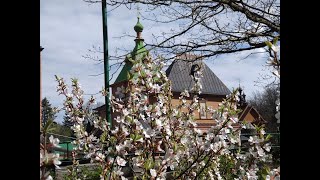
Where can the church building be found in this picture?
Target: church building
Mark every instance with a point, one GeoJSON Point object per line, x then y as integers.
{"type": "Point", "coordinates": [180, 74]}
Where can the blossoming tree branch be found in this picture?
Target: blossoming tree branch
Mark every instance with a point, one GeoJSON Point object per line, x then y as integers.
{"type": "Point", "coordinates": [159, 140]}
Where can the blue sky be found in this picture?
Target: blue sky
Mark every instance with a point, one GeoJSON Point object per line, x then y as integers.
{"type": "Point", "coordinates": [69, 28]}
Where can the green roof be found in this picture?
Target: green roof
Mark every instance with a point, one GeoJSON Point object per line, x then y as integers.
{"type": "Point", "coordinates": [123, 76]}
{"type": "Point", "coordinates": [138, 52]}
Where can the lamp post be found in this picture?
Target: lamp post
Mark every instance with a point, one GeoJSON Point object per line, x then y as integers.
{"type": "Point", "coordinates": [106, 59]}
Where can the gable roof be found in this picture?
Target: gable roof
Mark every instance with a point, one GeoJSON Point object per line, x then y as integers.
{"type": "Point", "coordinates": [179, 74]}
{"type": "Point", "coordinates": [258, 119]}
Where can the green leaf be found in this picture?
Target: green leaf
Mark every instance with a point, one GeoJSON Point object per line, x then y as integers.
{"type": "Point", "coordinates": [143, 74]}
{"type": "Point", "coordinates": [144, 177]}
{"type": "Point", "coordinates": [47, 125]}
{"type": "Point", "coordinates": [148, 164]}
{"type": "Point", "coordinates": [269, 44]}
{"type": "Point", "coordinates": [113, 139]}
{"type": "Point", "coordinates": [132, 136]}
{"type": "Point", "coordinates": [175, 147]}
{"type": "Point", "coordinates": [138, 137]}
{"type": "Point", "coordinates": [129, 119]}
{"type": "Point", "coordinates": [268, 137]}
{"type": "Point", "coordinates": [103, 137]}
{"type": "Point", "coordinates": [129, 76]}
{"type": "Point", "coordinates": [131, 60]}
{"type": "Point", "coordinates": [51, 129]}
{"type": "Point", "coordinates": [275, 40]}
{"type": "Point", "coordinates": [135, 137]}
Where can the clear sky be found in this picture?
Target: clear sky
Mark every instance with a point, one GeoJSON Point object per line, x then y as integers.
{"type": "Point", "coordinates": [68, 28]}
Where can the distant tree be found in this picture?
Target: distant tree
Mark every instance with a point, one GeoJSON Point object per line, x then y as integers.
{"type": "Point", "coordinates": [66, 120]}
{"type": "Point", "coordinates": [62, 130]}
{"type": "Point", "coordinates": [90, 115]}
{"type": "Point", "coordinates": [265, 104]}
{"type": "Point", "coordinates": [47, 111]}
{"type": "Point", "coordinates": [88, 118]}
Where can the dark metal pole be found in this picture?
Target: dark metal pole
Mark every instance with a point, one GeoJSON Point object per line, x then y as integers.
{"type": "Point", "coordinates": [106, 58]}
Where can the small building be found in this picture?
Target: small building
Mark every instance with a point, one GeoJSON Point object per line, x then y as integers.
{"type": "Point", "coordinates": [248, 113]}
{"type": "Point", "coordinates": [180, 74]}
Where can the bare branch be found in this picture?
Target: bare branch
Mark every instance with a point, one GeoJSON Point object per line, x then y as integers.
{"type": "Point", "coordinates": [206, 27]}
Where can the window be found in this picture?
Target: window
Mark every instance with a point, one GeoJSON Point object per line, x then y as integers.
{"type": "Point", "coordinates": [203, 112]}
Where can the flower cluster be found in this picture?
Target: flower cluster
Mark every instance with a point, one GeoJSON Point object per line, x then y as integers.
{"type": "Point", "coordinates": [48, 160]}
{"type": "Point", "coordinates": [151, 138]}
{"type": "Point", "coordinates": [274, 62]}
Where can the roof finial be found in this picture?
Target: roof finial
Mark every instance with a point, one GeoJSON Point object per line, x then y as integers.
{"type": "Point", "coordinates": [138, 11]}
{"type": "Point", "coordinates": [242, 97]}
{"type": "Point", "coordinates": [138, 28]}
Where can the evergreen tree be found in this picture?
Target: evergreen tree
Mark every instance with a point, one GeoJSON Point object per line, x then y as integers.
{"type": "Point", "coordinates": [47, 112]}
{"type": "Point", "coordinates": [66, 121]}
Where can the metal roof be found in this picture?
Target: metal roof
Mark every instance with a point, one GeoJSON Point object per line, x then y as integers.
{"type": "Point", "coordinates": [179, 73]}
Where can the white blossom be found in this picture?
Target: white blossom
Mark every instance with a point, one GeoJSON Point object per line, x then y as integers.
{"type": "Point", "coordinates": [144, 126]}
{"type": "Point", "coordinates": [54, 141]}
{"type": "Point", "coordinates": [275, 48]}
{"type": "Point", "coordinates": [121, 162]}
{"type": "Point", "coordinates": [153, 172]}
{"type": "Point", "coordinates": [267, 147]}
{"type": "Point", "coordinates": [100, 156]}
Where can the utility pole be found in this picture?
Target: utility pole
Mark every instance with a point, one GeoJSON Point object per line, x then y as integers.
{"type": "Point", "coordinates": [106, 59]}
